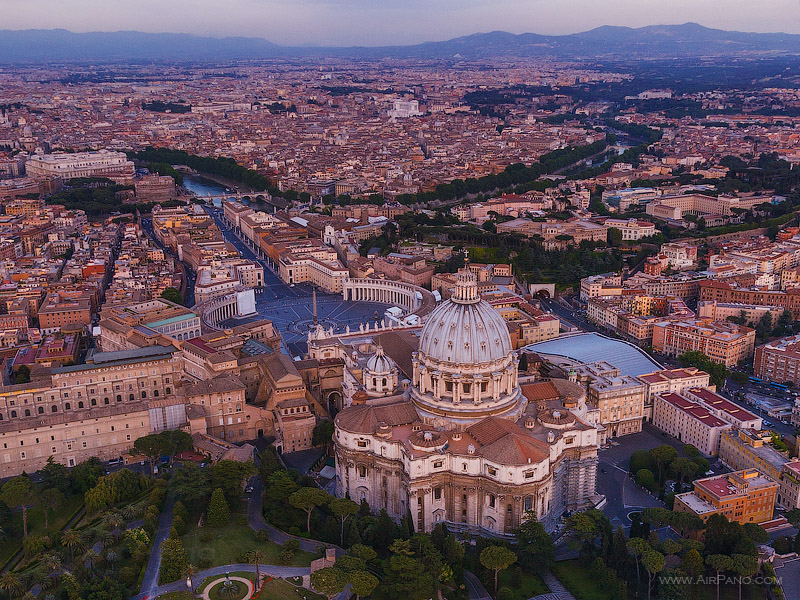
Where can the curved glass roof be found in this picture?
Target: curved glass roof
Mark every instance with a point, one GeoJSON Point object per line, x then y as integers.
{"type": "Point", "coordinates": [593, 347]}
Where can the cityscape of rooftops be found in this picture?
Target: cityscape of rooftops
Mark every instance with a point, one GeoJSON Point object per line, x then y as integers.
{"type": "Point", "coordinates": [463, 300]}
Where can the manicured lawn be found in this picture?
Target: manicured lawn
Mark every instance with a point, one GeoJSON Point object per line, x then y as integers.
{"type": "Point", "coordinates": [212, 547]}
{"type": "Point", "coordinates": [532, 585]}
{"type": "Point", "coordinates": [209, 580]}
{"type": "Point", "coordinates": [237, 591]}
{"type": "Point", "coordinates": [176, 596]}
{"type": "Point", "coordinates": [280, 589]}
{"type": "Point", "coordinates": [36, 524]}
{"type": "Point", "coordinates": [574, 574]}
{"type": "Point", "coordinates": [575, 577]}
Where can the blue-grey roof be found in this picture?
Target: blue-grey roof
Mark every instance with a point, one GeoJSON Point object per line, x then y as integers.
{"type": "Point", "coordinates": [176, 319]}
{"type": "Point", "coordinates": [119, 357]}
{"type": "Point", "coordinates": [592, 347]}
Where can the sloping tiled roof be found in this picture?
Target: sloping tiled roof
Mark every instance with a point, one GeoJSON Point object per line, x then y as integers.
{"type": "Point", "coordinates": [365, 418]}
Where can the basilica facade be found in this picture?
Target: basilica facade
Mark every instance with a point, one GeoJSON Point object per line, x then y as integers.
{"type": "Point", "coordinates": [463, 442]}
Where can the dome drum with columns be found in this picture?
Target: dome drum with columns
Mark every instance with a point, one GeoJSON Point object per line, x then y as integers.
{"type": "Point", "coordinates": [465, 368]}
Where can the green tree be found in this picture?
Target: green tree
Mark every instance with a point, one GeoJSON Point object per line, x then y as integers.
{"type": "Point", "coordinates": [756, 533]}
{"type": "Point", "coordinates": [190, 484]}
{"type": "Point", "coordinates": [341, 509]}
{"type": "Point", "coordinates": [173, 560]}
{"type": "Point", "coordinates": [614, 237]}
{"type": "Point", "coordinates": [328, 581]}
{"type": "Point", "coordinates": [743, 566]}
{"type": "Point", "coordinates": [10, 583]}
{"type": "Point", "coordinates": [534, 545]}
{"type": "Point", "coordinates": [618, 553]}
{"type": "Point", "coordinates": [23, 375]}
{"type": "Point", "coordinates": [51, 499]}
{"type": "Point", "coordinates": [653, 562]}
{"type": "Point", "coordinates": [719, 563]}
{"type": "Point", "coordinates": [497, 558]}
{"type": "Point", "coordinates": [646, 479]}
{"type": "Point", "coordinates": [692, 563]}
{"type": "Point", "coordinates": [362, 582]}
{"type": "Point", "coordinates": [172, 295]}
{"type": "Point", "coordinates": [662, 455]}
{"type": "Point", "coordinates": [683, 468]}
{"type": "Point", "coordinates": [73, 541]}
{"type": "Point", "coordinates": [229, 476]}
{"type": "Point", "coordinates": [307, 499]}
{"type": "Point", "coordinates": [322, 433]}
{"type": "Point", "coordinates": [19, 493]}
{"type": "Point", "coordinates": [219, 513]}
{"type": "Point", "coordinates": [55, 475]}
{"type": "Point", "coordinates": [256, 557]}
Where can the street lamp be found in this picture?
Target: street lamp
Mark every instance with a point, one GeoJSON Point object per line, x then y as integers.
{"type": "Point", "coordinates": [189, 584]}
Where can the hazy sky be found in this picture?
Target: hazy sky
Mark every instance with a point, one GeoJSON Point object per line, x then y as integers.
{"type": "Point", "coordinates": [379, 22]}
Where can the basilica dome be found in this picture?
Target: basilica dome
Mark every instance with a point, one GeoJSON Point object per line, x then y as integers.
{"type": "Point", "coordinates": [465, 330]}
{"type": "Point", "coordinates": [465, 368]}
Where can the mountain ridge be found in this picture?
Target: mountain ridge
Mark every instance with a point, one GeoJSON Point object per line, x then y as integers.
{"type": "Point", "coordinates": [605, 41]}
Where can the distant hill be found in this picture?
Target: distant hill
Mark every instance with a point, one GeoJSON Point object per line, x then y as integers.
{"type": "Point", "coordinates": [687, 40]}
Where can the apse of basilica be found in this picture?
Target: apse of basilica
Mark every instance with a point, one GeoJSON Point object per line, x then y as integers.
{"type": "Point", "coordinates": [462, 441]}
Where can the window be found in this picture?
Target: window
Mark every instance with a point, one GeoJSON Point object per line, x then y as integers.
{"type": "Point", "coordinates": [40, 410]}
{"type": "Point", "coordinates": [362, 444]}
{"type": "Point", "coordinates": [448, 386]}
{"type": "Point", "coordinates": [27, 413]}
{"type": "Point", "coordinates": [491, 471]}
{"type": "Point", "coordinates": [169, 389]}
{"type": "Point", "coordinates": [54, 408]}
{"type": "Point", "coordinates": [491, 500]}
{"type": "Point", "coordinates": [438, 464]}
{"type": "Point", "coordinates": [67, 406]}
{"type": "Point", "coordinates": [130, 398]}
{"type": "Point", "coordinates": [362, 472]}
{"type": "Point", "coordinates": [467, 387]}
{"type": "Point", "coordinates": [80, 404]}
{"type": "Point", "coordinates": [119, 398]}
{"type": "Point", "coordinates": [437, 493]}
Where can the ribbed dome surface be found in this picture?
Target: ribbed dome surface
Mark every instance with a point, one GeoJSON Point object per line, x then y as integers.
{"type": "Point", "coordinates": [465, 329]}
{"type": "Point", "coordinates": [379, 363]}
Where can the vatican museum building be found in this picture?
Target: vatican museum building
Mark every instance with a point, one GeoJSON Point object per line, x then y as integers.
{"type": "Point", "coordinates": [465, 443]}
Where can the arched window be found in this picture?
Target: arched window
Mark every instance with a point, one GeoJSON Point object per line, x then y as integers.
{"type": "Point", "coordinates": [384, 382]}
{"type": "Point", "coordinates": [80, 404]}
{"type": "Point", "coordinates": [13, 414]}
{"type": "Point", "coordinates": [168, 390]}
{"type": "Point", "coordinates": [68, 406]}
{"type": "Point", "coordinates": [144, 394]}
{"type": "Point", "coordinates": [40, 410]}
{"type": "Point", "coordinates": [94, 401]}
{"type": "Point", "coordinates": [130, 397]}
{"type": "Point", "coordinates": [155, 393]}
{"type": "Point", "coordinates": [27, 413]}
{"type": "Point", "coordinates": [54, 408]}
{"type": "Point", "coordinates": [105, 401]}
{"type": "Point", "coordinates": [119, 398]}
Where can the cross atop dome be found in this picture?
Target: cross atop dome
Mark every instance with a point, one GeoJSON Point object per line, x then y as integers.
{"type": "Point", "coordinates": [466, 291]}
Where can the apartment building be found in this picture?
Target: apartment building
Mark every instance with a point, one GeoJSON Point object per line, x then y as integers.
{"type": "Point", "coordinates": [722, 291]}
{"type": "Point", "coordinates": [102, 163]}
{"type": "Point", "coordinates": [779, 360]}
{"type": "Point", "coordinates": [688, 421]}
{"type": "Point", "coordinates": [723, 408]}
{"type": "Point", "coordinates": [61, 309]}
{"type": "Point", "coordinates": [723, 342]}
{"type": "Point", "coordinates": [670, 381]}
{"type": "Point", "coordinates": [752, 313]}
{"type": "Point", "coordinates": [746, 496]}
{"type": "Point", "coordinates": [751, 449]}
{"type": "Point", "coordinates": [596, 286]}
